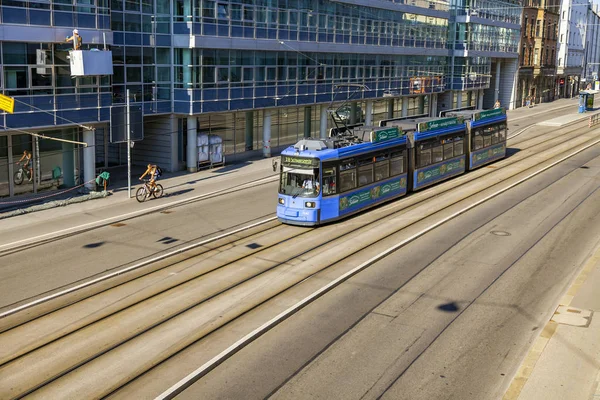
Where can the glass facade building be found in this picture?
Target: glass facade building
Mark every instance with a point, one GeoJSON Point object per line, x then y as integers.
{"type": "Point", "coordinates": [260, 74]}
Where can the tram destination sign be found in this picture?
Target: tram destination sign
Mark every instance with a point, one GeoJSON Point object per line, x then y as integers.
{"type": "Point", "coordinates": [489, 114]}
{"type": "Point", "coordinates": [439, 124]}
{"type": "Point", "coordinates": [386, 134]}
{"type": "Point", "coordinates": [299, 162]}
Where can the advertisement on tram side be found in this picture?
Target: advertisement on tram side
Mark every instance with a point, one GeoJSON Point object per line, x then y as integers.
{"type": "Point", "coordinates": [372, 194]}
{"type": "Point", "coordinates": [427, 176]}
{"type": "Point", "coordinates": [489, 154]}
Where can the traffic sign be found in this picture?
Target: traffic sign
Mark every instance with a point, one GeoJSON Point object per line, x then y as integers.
{"type": "Point", "coordinates": [7, 104]}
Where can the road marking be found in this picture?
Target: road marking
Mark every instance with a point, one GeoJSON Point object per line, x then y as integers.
{"type": "Point", "coordinates": [107, 221]}
{"type": "Point", "coordinates": [526, 369]}
{"type": "Point", "coordinates": [539, 113]}
{"type": "Point", "coordinates": [124, 270]}
{"type": "Point", "coordinates": [184, 383]}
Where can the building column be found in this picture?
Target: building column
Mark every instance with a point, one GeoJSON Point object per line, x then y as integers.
{"type": "Point", "coordinates": [68, 163]}
{"type": "Point", "coordinates": [497, 87]}
{"type": "Point", "coordinates": [353, 111]}
{"type": "Point", "coordinates": [267, 133]}
{"type": "Point", "coordinates": [187, 70]}
{"type": "Point", "coordinates": [405, 106]}
{"type": "Point", "coordinates": [480, 99]}
{"type": "Point", "coordinates": [421, 104]}
{"type": "Point", "coordinates": [192, 144]}
{"type": "Point", "coordinates": [307, 122]}
{"type": "Point", "coordinates": [458, 99]}
{"type": "Point", "coordinates": [390, 108]}
{"type": "Point", "coordinates": [369, 113]}
{"type": "Point", "coordinates": [249, 129]}
{"type": "Point", "coordinates": [323, 126]}
{"type": "Point", "coordinates": [433, 105]}
{"type": "Point", "coordinates": [89, 159]}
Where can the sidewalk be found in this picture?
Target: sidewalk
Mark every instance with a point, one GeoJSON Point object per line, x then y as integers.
{"type": "Point", "coordinates": [564, 361]}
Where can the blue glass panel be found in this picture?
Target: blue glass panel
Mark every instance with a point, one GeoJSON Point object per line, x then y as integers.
{"type": "Point", "coordinates": [163, 40]}
{"type": "Point", "coordinates": [146, 39]}
{"type": "Point", "coordinates": [180, 28]}
{"type": "Point", "coordinates": [133, 39]}
{"type": "Point", "coordinates": [42, 102]}
{"type": "Point", "coordinates": [303, 89]}
{"type": "Point", "coordinates": [210, 29]}
{"type": "Point", "coordinates": [312, 36]}
{"type": "Point", "coordinates": [181, 108]}
{"type": "Point", "coordinates": [63, 19]}
{"type": "Point", "coordinates": [305, 99]}
{"type": "Point", "coordinates": [283, 34]}
{"type": "Point", "coordinates": [86, 20]}
{"type": "Point", "coordinates": [287, 101]}
{"type": "Point", "coordinates": [118, 38]}
{"type": "Point", "coordinates": [223, 94]}
{"type": "Point", "coordinates": [261, 33]}
{"type": "Point", "coordinates": [249, 33]}
{"type": "Point", "coordinates": [263, 103]}
{"type": "Point", "coordinates": [271, 91]}
{"type": "Point", "coordinates": [223, 30]}
{"type": "Point", "coordinates": [181, 95]}
{"type": "Point", "coordinates": [303, 37]}
{"type": "Point", "coordinates": [272, 33]}
{"type": "Point", "coordinates": [213, 106]}
{"type": "Point", "coordinates": [196, 108]}
{"type": "Point", "coordinates": [197, 28]}
{"type": "Point", "coordinates": [354, 39]}
{"type": "Point", "coordinates": [209, 94]}
{"type": "Point", "coordinates": [14, 15]}
{"type": "Point", "coordinates": [105, 99]}
{"type": "Point", "coordinates": [260, 92]}
{"type": "Point", "coordinates": [236, 93]}
{"type": "Point", "coordinates": [248, 92]}
{"type": "Point", "coordinates": [29, 120]}
{"type": "Point", "coordinates": [103, 22]}
{"type": "Point", "coordinates": [245, 104]}
{"type": "Point", "coordinates": [39, 17]}
{"type": "Point", "coordinates": [323, 98]}
{"type": "Point", "coordinates": [283, 90]}
{"type": "Point", "coordinates": [322, 37]}
{"type": "Point", "coordinates": [88, 100]}
{"type": "Point", "coordinates": [165, 106]}
{"type": "Point", "coordinates": [105, 114]}
{"type": "Point", "coordinates": [237, 31]}
{"type": "Point", "coordinates": [196, 94]}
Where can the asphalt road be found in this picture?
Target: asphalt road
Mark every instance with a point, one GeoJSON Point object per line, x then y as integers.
{"type": "Point", "coordinates": [448, 317]}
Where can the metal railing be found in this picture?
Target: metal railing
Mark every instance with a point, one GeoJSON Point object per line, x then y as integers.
{"type": "Point", "coordinates": [594, 119]}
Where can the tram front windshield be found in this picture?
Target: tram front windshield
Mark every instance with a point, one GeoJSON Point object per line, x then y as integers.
{"type": "Point", "coordinates": [299, 182]}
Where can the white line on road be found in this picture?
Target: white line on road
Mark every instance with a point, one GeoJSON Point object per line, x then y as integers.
{"type": "Point", "coordinates": [124, 270]}
{"type": "Point", "coordinates": [215, 361]}
{"type": "Point", "coordinates": [106, 221]}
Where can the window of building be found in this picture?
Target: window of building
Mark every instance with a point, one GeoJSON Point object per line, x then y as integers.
{"type": "Point", "coordinates": [538, 24]}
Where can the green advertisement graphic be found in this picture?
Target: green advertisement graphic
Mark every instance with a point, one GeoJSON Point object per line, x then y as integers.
{"type": "Point", "coordinates": [386, 134]}
{"type": "Point", "coordinates": [489, 114]}
{"type": "Point", "coordinates": [372, 194]}
{"type": "Point", "coordinates": [439, 123]}
{"type": "Point", "coordinates": [433, 173]}
{"type": "Point", "coordinates": [487, 154]}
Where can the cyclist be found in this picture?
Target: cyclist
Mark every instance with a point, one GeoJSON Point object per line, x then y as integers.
{"type": "Point", "coordinates": [153, 171]}
{"type": "Point", "coordinates": [27, 165]}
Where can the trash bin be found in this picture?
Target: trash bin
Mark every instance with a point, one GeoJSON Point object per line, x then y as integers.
{"type": "Point", "coordinates": [589, 104]}
{"type": "Point", "coordinates": [583, 97]}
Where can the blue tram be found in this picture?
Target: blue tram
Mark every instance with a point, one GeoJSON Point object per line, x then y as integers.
{"type": "Point", "coordinates": [322, 180]}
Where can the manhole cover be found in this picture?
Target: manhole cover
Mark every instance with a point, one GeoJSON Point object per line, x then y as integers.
{"type": "Point", "coordinates": [118, 224]}
{"type": "Point", "coordinates": [500, 233]}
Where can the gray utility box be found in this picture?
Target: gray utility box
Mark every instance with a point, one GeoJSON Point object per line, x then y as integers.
{"type": "Point", "coordinates": [91, 62]}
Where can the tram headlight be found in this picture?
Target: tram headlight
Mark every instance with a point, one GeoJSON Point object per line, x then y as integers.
{"type": "Point", "coordinates": [309, 204]}
{"type": "Point", "coordinates": [281, 200]}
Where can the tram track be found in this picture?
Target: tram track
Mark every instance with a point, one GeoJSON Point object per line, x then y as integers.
{"type": "Point", "coordinates": [132, 270]}
{"type": "Point", "coordinates": [219, 305]}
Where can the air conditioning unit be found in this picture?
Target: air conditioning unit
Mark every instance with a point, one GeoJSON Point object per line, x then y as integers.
{"type": "Point", "coordinates": [41, 59]}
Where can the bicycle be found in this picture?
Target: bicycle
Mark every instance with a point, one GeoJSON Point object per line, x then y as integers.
{"type": "Point", "coordinates": [21, 174]}
{"type": "Point", "coordinates": [146, 191]}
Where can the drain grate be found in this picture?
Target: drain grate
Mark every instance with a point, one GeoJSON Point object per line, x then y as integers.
{"type": "Point", "coordinates": [253, 246]}
{"type": "Point", "coordinates": [500, 233]}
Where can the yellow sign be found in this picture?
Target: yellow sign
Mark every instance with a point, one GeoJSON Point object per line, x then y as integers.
{"type": "Point", "coordinates": [7, 103]}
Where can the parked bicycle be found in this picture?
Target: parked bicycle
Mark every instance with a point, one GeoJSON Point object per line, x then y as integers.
{"type": "Point", "coordinates": [146, 191]}
{"type": "Point", "coordinates": [21, 174]}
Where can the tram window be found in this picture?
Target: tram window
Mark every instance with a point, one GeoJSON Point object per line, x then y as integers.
{"type": "Point", "coordinates": [423, 157]}
{"type": "Point", "coordinates": [487, 140]}
{"type": "Point", "coordinates": [329, 186]}
{"type": "Point", "coordinates": [347, 180]}
{"type": "Point", "coordinates": [365, 175]}
{"type": "Point", "coordinates": [502, 132]}
{"type": "Point", "coordinates": [458, 147]}
{"type": "Point", "coordinates": [448, 150]}
{"type": "Point", "coordinates": [347, 164]}
{"type": "Point", "coordinates": [477, 140]}
{"type": "Point", "coordinates": [437, 154]}
{"type": "Point", "coordinates": [495, 138]}
{"type": "Point", "coordinates": [396, 164]}
{"type": "Point", "coordinates": [382, 170]}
